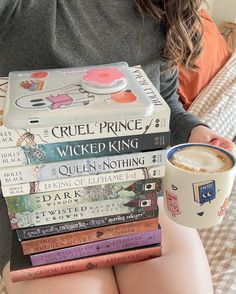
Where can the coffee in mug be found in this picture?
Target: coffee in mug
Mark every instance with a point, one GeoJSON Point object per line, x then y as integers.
{"type": "Point", "coordinates": [198, 182]}
{"type": "Point", "coordinates": [201, 159]}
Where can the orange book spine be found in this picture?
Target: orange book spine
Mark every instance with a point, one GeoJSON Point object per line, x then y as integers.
{"type": "Point", "coordinates": [84, 264]}
{"type": "Point", "coordinates": [87, 236]}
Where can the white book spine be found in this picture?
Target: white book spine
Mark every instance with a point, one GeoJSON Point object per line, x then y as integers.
{"type": "Point", "coordinates": [157, 122]}
{"type": "Point", "coordinates": [81, 167]}
{"type": "Point", "coordinates": [84, 181]}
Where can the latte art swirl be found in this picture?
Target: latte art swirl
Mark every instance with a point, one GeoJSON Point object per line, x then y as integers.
{"type": "Point", "coordinates": [201, 159]}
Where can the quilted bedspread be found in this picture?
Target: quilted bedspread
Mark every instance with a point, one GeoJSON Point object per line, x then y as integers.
{"type": "Point", "coordinates": [216, 106]}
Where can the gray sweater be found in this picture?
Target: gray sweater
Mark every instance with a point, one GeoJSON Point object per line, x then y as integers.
{"type": "Point", "coordinates": [37, 34]}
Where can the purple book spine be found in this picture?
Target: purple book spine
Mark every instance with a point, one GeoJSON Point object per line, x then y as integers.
{"type": "Point", "coordinates": [95, 248]}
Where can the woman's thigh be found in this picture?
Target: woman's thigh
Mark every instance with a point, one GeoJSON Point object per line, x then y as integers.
{"type": "Point", "coordinates": [97, 281]}
{"type": "Point", "coordinates": [182, 268]}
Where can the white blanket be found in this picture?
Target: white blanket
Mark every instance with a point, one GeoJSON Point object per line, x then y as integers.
{"type": "Point", "coordinates": [216, 104]}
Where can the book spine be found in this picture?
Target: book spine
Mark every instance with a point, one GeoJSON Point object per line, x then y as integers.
{"type": "Point", "coordinates": [158, 122]}
{"type": "Point", "coordinates": [80, 167]}
{"type": "Point", "coordinates": [87, 236]}
{"type": "Point", "coordinates": [84, 181]}
{"type": "Point", "coordinates": [64, 198]}
{"type": "Point", "coordinates": [83, 264]}
{"type": "Point", "coordinates": [99, 247]}
{"type": "Point", "coordinates": [44, 153]}
{"type": "Point", "coordinates": [78, 224]}
{"type": "Point", "coordinates": [83, 211]}
{"type": "Point", "coordinates": [3, 92]}
{"type": "Point", "coordinates": [148, 86]}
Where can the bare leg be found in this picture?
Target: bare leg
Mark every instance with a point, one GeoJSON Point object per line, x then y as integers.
{"type": "Point", "coordinates": [98, 281]}
{"type": "Point", "coordinates": [183, 267]}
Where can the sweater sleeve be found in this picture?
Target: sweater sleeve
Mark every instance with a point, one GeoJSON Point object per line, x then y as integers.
{"type": "Point", "coordinates": [10, 10]}
{"type": "Point", "coordinates": [181, 122]}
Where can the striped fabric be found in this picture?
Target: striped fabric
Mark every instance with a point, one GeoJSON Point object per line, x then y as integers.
{"type": "Point", "coordinates": [220, 245]}
{"type": "Point", "coordinates": [216, 104]}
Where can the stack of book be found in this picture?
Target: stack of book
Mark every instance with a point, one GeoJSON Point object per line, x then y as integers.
{"type": "Point", "coordinates": [72, 213]}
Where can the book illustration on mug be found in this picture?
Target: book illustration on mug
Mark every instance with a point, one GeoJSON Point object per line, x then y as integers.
{"type": "Point", "coordinates": [223, 207]}
{"type": "Point", "coordinates": [204, 191]}
{"type": "Point", "coordinates": [172, 203]}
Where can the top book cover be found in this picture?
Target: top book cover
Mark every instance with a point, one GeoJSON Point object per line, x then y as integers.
{"type": "Point", "coordinates": [157, 122]}
{"type": "Point", "coordinates": [42, 98]}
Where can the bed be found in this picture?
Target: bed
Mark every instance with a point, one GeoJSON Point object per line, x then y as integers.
{"type": "Point", "coordinates": [215, 105]}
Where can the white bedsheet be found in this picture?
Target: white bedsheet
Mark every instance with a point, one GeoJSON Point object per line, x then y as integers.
{"type": "Point", "coordinates": [216, 104]}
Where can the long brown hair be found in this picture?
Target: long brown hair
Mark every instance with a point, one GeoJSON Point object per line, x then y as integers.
{"type": "Point", "coordinates": [183, 28]}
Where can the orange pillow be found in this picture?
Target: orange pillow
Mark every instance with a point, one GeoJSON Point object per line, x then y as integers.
{"type": "Point", "coordinates": [214, 55]}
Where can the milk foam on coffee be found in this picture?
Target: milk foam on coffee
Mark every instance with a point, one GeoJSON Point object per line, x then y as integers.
{"type": "Point", "coordinates": [201, 159]}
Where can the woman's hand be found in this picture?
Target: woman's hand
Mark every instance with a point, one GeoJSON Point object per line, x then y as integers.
{"type": "Point", "coordinates": [202, 134]}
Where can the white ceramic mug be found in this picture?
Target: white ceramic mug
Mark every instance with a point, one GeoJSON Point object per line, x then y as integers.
{"type": "Point", "coordinates": [197, 199]}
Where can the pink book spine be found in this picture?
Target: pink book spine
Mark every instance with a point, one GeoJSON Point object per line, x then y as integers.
{"type": "Point", "coordinates": [87, 263]}
{"type": "Point", "coordinates": [99, 247]}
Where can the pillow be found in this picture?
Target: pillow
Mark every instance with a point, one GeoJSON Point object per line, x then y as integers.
{"type": "Point", "coordinates": [214, 55]}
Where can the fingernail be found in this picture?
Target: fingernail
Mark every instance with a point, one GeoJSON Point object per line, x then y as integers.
{"type": "Point", "coordinates": [215, 142]}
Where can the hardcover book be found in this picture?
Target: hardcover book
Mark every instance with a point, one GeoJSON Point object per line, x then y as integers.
{"type": "Point", "coordinates": [81, 167]}
{"type": "Point", "coordinates": [99, 247]}
{"type": "Point", "coordinates": [157, 122]}
{"type": "Point", "coordinates": [39, 98]}
{"type": "Point", "coordinates": [21, 268]}
{"type": "Point", "coordinates": [88, 236]}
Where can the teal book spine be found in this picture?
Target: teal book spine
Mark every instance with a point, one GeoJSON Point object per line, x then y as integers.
{"type": "Point", "coordinates": [54, 152]}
